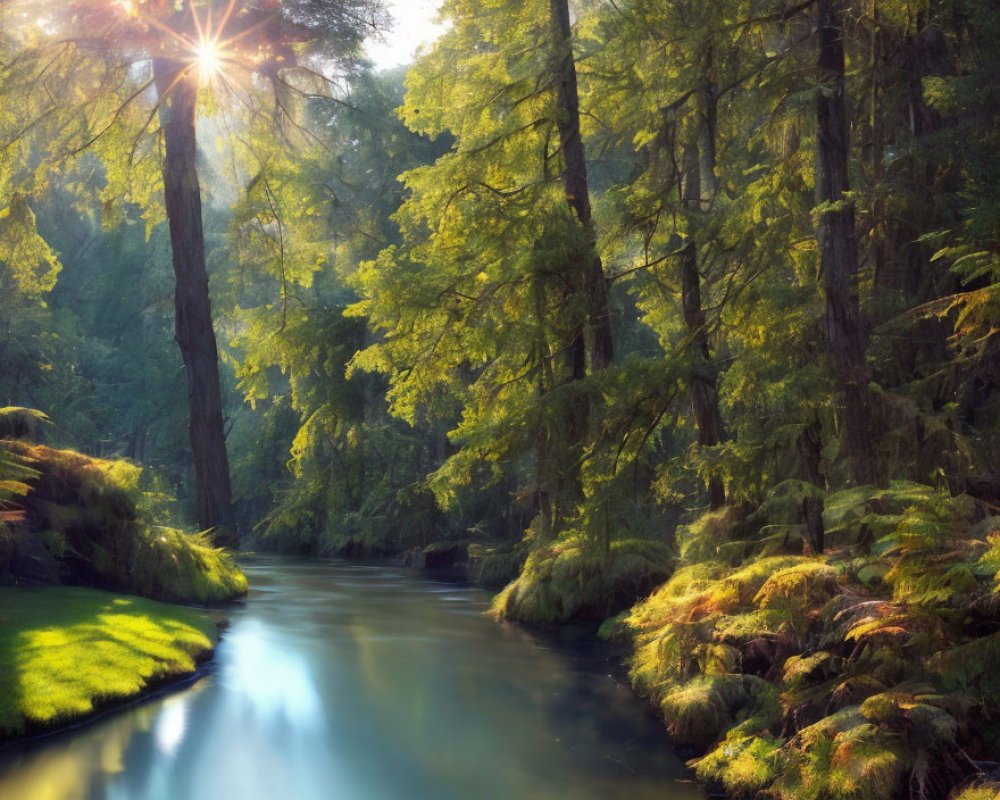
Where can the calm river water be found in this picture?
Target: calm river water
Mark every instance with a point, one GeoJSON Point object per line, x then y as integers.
{"type": "Point", "coordinates": [344, 681]}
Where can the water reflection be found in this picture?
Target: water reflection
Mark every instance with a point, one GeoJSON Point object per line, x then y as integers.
{"type": "Point", "coordinates": [170, 726]}
{"type": "Point", "coordinates": [338, 681]}
{"type": "Point", "coordinates": [272, 677]}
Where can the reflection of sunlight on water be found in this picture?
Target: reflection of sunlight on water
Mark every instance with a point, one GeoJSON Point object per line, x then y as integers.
{"type": "Point", "coordinates": [274, 679]}
{"type": "Point", "coordinates": [171, 724]}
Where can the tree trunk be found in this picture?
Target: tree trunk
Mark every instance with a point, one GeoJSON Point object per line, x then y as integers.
{"type": "Point", "coordinates": [699, 174]}
{"type": "Point", "coordinates": [575, 185]}
{"type": "Point", "coordinates": [839, 249]}
{"type": "Point", "coordinates": [810, 451]}
{"type": "Point", "coordinates": [178, 90]}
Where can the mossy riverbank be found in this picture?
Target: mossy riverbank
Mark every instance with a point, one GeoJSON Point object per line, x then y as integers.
{"type": "Point", "coordinates": [88, 567]}
{"type": "Point", "coordinates": [868, 672]}
{"type": "Point", "coordinates": [66, 652]}
{"type": "Point", "coordinates": [85, 520]}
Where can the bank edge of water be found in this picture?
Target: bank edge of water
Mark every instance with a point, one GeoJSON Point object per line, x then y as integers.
{"type": "Point", "coordinates": [738, 767]}
{"type": "Point", "coordinates": [453, 563]}
{"type": "Point", "coordinates": [71, 655]}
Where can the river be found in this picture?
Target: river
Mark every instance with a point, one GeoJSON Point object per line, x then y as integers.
{"type": "Point", "coordinates": [345, 681]}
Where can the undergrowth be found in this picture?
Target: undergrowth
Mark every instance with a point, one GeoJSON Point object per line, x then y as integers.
{"type": "Point", "coordinates": [571, 579]}
{"type": "Point", "coordinates": [86, 520]}
{"type": "Point", "coordinates": [850, 675]}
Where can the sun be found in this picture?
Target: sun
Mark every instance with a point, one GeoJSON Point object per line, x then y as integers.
{"type": "Point", "coordinates": [208, 58]}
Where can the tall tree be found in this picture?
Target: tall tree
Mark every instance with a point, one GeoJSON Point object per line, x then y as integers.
{"type": "Point", "coordinates": [575, 183]}
{"type": "Point", "coordinates": [698, 194]}
{"type": "Point", "coordinates": [185, 41]}
{"type": "Point", "coordinates": [500, 231]}
{"type": "Point", "coordinates": [838, 242]}
{"type": "Point", "coordinates": [177, 85]}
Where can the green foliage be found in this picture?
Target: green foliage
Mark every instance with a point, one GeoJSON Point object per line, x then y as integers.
{"type": "Point", "coordinates": [66, 651]}
{"type": "Point", "coordinates": [924, 530]}
{"type": "Point", "coordinates": [856, 689]}
{"type": "Point", "coordinates": [568, 580]}
{"type": "Point", "coordinates": [743, 764]}
{"type": "Point", "coordinates": [702, 709]}
{"type": "Point", "coordinates": [97, 527]}
{"type": "Point", "coordinates": [494, 567]}
{"type": "Point", "coordinates": [979, 791]}
{"type": "Point", "coordinates": [408, 324]}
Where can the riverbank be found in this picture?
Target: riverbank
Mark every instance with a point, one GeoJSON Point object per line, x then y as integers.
{"type": "Point", "coordinates": [340, 680]}
{"type": "Point", "coordinates": [67, 653]}
{"type": "Point", "coordinates": [869, 671]}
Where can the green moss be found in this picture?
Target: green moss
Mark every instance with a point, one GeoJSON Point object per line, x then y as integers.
{"type": "Point", "coordinates": [64, 651]}
{"type": "Point", "coordinates": [704, 537]}
{"type": "Point", "coordinates": [879, 669]}
{"type": "Point", "coordinates": [615, 629]}
{"type": "Point", "coordinates": [841, 757]}
{"type": "Point", "coordinates": [743, 764]}
{"type": "Point", "coordinates": [97, 528]}
{"type": "Point", "coordinates": [979, 791]}
{"type": "Point", "coordinates": [740, 589]}
{"type": "Point", "coordinates": [570, 580]}
{"type": "Point", "coordinates": [741, 628]}
{"type": "Point", "coordinates": [494, 567]}
{"type": "Point", "coordinates": [863, 766]}
{"type": "Point", "coordinates": [697, 712]}
{"type": "Point", "coordinates": [172, 565]}
{"type": "Point", "coordinates": [798, 588]}
{"type": "Point", "coordinates": [700, 711]}
{"type": "Point", "coordinates": [678, 598]}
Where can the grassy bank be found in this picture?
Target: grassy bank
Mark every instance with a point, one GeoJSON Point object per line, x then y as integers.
{"type": "Point", "coordinates": [67, 651]}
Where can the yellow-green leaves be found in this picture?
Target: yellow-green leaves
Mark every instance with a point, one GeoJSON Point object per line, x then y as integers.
{"type": "Point", "coordinates": [31, 262]}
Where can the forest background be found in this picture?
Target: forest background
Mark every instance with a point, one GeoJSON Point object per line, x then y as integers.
{"type": "Point", "coordinates": [603, 293]}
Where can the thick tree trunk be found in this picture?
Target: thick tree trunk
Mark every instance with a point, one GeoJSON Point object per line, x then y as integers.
{"type": "Point", "coordinates": [839, 249]}
{"type": "Point", "coordinates": [704, 394]}
{"type": "Point", "coordinates": [575, 185]}
{"type": "Point", "coordinates": [178, 91]}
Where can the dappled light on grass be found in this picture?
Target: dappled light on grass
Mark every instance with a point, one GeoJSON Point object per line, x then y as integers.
{"type": "Point", "coordinates": [65, 651]}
